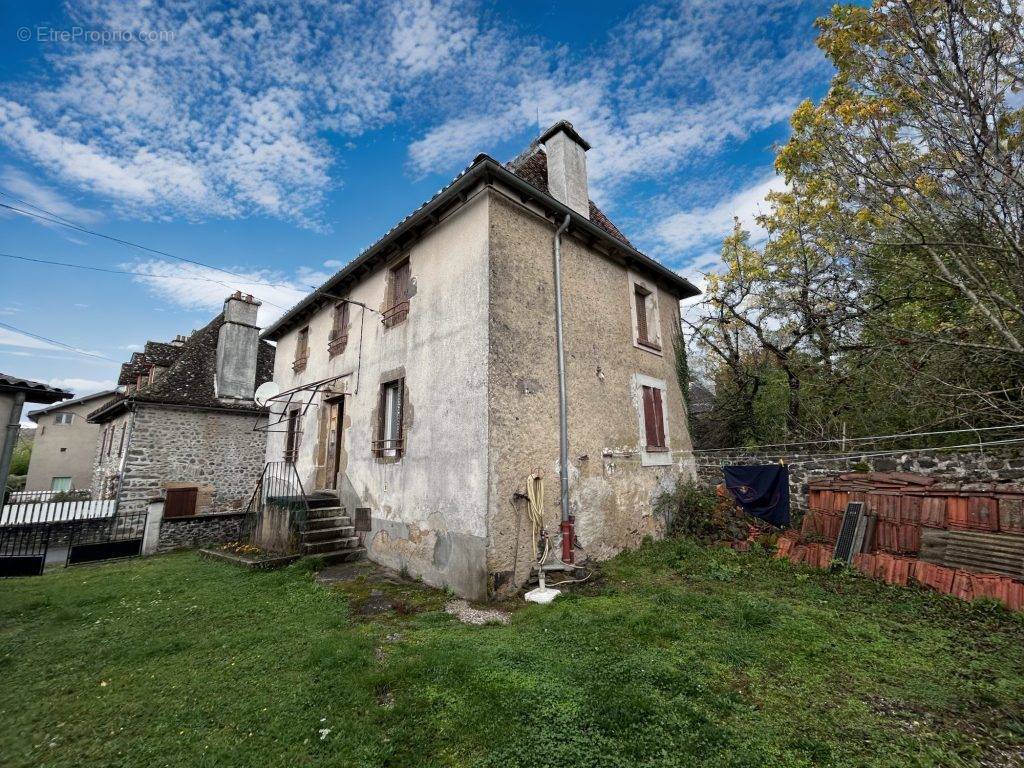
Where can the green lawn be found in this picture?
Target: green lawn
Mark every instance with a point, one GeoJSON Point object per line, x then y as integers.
{"type": "Point", "coordinates": [675, 655]}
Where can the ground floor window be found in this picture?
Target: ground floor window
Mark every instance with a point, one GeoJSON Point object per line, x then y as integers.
{"type": "Point", "coordinates": [389, 442]}
{"type": "Point", "coordinates": [60, 484]}
{"type": "Point", "coordinates": [180, 502]}
{"type": "Point", "coordinates": [650, 400]}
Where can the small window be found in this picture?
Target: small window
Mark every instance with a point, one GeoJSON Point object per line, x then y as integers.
{"type": "Point", "coordinates": [389, 442]}
{"type": "Point", "coordinates": [654, 419]}
{"type": "Point", "coordinates": [643, 301]}
{"type": "Point", "coordinates": [120, 449]}
{"type": "Point", "coordinates": [109, 436]}
{"type": "Point", "coordinates": [63, 418]}
{"type": "Point", "coordinates": [338, 339]}
{"type": "Point", "coordinates": [301, 351]}
{"type": "Point", "coordinates": [63, 450]}
{"type": "Point", "coordinates": [399, 282]}
{"type": "Point", "coordinates": [60, 484]}
{"type": "Point", "coordinates": [292, 436]}
{"type": "Point", "coordinates": [180, 502]}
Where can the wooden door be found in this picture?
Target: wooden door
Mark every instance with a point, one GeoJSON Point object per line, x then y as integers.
{"type": "Point", "coordinates": [335, 418]}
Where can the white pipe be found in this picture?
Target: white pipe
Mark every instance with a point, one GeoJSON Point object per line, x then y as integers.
{"type": "Point", "coordinates": [563, 417]}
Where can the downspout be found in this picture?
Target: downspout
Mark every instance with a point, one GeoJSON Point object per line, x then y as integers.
{"type": "Point", "coordinates": [563, 410]}
{"type": "Point", "coordinates": [10, 438]}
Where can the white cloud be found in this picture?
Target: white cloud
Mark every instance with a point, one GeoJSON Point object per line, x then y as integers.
{"type": "Point", "coordinates": [177, 283]}
{"type": "Point", "coordinates": [14, 339]}
{"type": "Point", "coordinates": [229, 117]}
{"type": "Point", "coordinates": [26, 189]}
{"type": "Point", "coordinates": [83, 387]}
{"type": "Point", "coordinates": [703, 227]}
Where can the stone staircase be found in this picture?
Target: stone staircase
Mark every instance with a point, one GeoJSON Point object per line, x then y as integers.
{"type": "Point", "coordinates": [330, 535]}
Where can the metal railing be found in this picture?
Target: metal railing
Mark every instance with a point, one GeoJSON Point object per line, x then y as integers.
{"type": "Point", "coordinates": [279, 485]}
{"type": "Point", "coordinates": [54, 507]}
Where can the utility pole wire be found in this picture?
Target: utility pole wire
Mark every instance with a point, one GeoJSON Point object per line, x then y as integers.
{"type": "Point", "coordinates": [58, 343]}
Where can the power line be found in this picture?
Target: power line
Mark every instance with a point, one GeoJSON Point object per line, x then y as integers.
{"type": "Point", "coordinates": [117, 271]}
{"type": "Point", "coordinates": [58, 343]}
{"type": "Point", "coordinates": [53, 218]}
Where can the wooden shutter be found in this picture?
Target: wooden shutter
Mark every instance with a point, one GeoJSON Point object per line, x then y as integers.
{"type": "Point", "coordinates": [641, 314]}
{"type": "Point", "coordinates": [654, 423]}
{"type": "Point", "coordinates": [400, 283]}
{"type": "Point", "coordinates": [180, 502]}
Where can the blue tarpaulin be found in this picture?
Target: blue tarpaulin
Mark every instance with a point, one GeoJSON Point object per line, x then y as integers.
{"type": "Point", "coordinates": [761, 490]}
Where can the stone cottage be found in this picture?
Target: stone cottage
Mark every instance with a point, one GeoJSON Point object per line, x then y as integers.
{"type": "Point", "coordinates": [421, 382]}
{"type": "Point", "coordinates": [182, 437]}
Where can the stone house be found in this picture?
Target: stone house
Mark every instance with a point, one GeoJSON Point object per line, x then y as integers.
{"type": "Point", "coordinates": [183, 436]}
{"type": "Point", "coordinates": [64, 445]}
{"type": "Point", "coordinates": [420, 383]}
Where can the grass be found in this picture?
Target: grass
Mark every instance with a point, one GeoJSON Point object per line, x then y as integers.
{"type": "Point", "coordinates": [677, 655]}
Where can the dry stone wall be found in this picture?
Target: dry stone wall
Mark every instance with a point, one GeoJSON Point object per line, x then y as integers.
{"type": "Point", "coordinates": [1002, 465]}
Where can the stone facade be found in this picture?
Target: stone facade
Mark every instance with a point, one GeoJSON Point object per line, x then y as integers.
{"type": "Point", "coordinates": [167, 446]}
{"type": "Point", "coordinates": [996, 465]}
{"type": "Point", "coordinates": [612, 480]}
{"type": "Point", "coordinates": [198, 531]}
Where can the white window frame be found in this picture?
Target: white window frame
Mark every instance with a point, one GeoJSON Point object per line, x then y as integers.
{"type": "Point", "coordinates": [651, 458]}
{"type": "Point", "coordinates": [392, 395]}
{"type": "Point", "coordinates": [53, 484]}
{"type": "Point", "coordinates": [654, 334]}
{"type": "Point", "coordinates": [64, 418]}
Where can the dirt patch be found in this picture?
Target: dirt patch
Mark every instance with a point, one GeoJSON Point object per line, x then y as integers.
{"type": "Point", "coordinates": [467, 614]}
{"type": "Point", "coordinates": [378, 603]}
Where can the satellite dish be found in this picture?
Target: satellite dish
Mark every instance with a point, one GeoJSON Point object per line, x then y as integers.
{"type": "Point", "coordinates": [265, 392]}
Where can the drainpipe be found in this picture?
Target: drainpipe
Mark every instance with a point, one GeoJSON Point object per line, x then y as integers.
{"type": "Point", "coordinates": [563, 417]}
{"type": "Point", "coordinates": [13, 427]}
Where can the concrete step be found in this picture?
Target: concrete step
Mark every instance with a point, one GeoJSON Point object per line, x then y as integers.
{"type": "Point", "coordinates": [320, 523]}
{"type": "Point", "coordinates": [315, 513]}
{"type": "Point", "coordinates": [342, 555]}
{"type": "Point", "coordinates": [319, 547]}
{"type": "Point", "coordinates": [311, 535]}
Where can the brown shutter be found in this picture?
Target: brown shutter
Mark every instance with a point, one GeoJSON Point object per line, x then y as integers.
{"type": "Point", "coordinates": [649, 434]}
{"type": "Point", "coordinates": [180, 502]}
{"type": "Point", "coordinates": [641, 314]}
{"type": "Point", "coordinates": [659, 419]}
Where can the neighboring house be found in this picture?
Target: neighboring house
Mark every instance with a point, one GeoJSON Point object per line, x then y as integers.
{"type": "Point", "coordinates": [14, 392]}
{"type": "Point", "coordinates": [183, 431]}
{"type": "Point", "coordinates": [430, 367]}
{"type": "Point", "coordinates": [64, 451]}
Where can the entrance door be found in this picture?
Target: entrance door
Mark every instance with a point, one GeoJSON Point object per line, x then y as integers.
{"type": "Point", "coordinates": [335, 418]}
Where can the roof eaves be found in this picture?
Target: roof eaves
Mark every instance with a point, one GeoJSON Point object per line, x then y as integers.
{"type": "Point", "coordinates": [482, 166]}
{"type": "Point", "coordinates": [34, 415]}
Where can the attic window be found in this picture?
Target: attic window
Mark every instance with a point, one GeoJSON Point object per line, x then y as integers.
{"type": "Point", "coordinates": [338, 339]}
{"type": "Point", "coordinates": [63, 418]}
{"type": "Point", "coordinates": [399, 283]}
{"type": "Point", "coordinates": [301, 351]}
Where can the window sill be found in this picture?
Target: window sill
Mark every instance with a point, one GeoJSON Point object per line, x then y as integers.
{"type": "Point", "coordinates": [337, 346]}
{"type": "Point", "coordinates": [299, 365]}
{"type": "Point", "coordinates": [395, 315]}
{"type": "Point", "coordinates": [656, 449]}
{"type": "Point", "coordinates": [645, 344]}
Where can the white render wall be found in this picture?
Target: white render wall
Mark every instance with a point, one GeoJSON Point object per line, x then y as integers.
{"type": "Point", "coordinates": [428, 509]}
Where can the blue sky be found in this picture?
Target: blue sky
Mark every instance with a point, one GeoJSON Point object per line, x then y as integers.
{"type": "Point", "coordinates": [277, 140]}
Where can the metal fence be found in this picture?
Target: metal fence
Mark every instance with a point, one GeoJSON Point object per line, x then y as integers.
{"type": "Point", "coordinates": [279, 484]}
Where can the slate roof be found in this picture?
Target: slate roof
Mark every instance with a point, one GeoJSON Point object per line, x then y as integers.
{"type": "Point", "coordinates": [107, 393]}
{"type": "Point", "coordinates": [35, 391]}
{"type": "Point", "coordinates": [188, 381]}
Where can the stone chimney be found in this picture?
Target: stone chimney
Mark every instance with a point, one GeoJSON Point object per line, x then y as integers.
{"type": "Point", "coordinates": [237, 346]}
{"type": "Point", "coordinates": [566, 153]}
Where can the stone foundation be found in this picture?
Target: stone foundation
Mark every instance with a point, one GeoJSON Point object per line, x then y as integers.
{"type": "Point", "coordinates": [198, 531]}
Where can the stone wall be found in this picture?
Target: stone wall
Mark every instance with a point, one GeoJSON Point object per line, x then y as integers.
{"type": "Point", "coordinates": [198, 531]}
{"type": "Point", "coordinates": [998, 465]}
{"type": "Point", "coordinates": [174, 447]}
